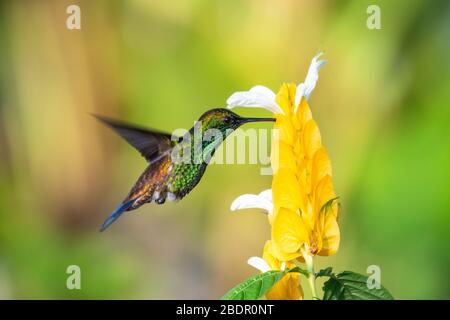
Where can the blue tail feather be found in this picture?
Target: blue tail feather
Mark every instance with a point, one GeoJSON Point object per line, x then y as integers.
{"type": "Point", "coordinates": [116, 214]}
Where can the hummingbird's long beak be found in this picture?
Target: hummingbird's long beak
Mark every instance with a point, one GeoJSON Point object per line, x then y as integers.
{"type": "Point", "coordinates": [245, 120]}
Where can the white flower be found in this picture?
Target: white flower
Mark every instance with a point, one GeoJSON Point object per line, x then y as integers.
{"type": "Point", "coordinates": [263, 97]}
{"type": "Point", "coordinates": [306, 88]}
{"type": "Point", "coordinates": [259, 263]}
{"type": "Point", "coordinates": [260, 201]}
{"type": "Point", "coordinates": [258, 97]}
{"type": "Point", "coordinates": [262, 265]}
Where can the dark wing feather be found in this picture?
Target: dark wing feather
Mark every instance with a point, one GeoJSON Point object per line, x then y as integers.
{"type": "Point", "coordinates": [149, 143]}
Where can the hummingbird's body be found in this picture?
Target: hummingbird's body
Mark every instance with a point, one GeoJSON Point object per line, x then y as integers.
{"type": "Point", "coordinates": [176, 164]}
{"type": "Point", "coordinates": [165, 180]}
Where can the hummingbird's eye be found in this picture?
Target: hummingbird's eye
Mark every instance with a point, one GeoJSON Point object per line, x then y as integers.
{"type": "Point", "coordinates": [227, 120]}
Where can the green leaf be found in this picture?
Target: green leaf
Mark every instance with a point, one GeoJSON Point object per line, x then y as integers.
{"type": "Point", "coordinates": [327, 205]}
{"type": "Point", "coordinates": [349, 285]}
{"type": "Point", "coordinates": [257, 286]}
{"type": "Point", "coordinates": [327, 272]}
{"type": "Point", "coordinates": [298, 270]}
{"type": "Point", "coordinates": [254, 287]}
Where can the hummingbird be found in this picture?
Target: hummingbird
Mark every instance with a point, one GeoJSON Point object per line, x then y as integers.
{"type": "Point", "coordinates": [175, 164]}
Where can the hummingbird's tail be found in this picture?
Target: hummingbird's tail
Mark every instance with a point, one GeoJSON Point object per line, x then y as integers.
{"type": "Point", "coordinates": [116, 214]}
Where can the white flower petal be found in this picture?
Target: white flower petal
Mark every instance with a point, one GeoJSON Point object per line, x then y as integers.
{"type": "Point", "coordinates": [264, 91]}
{"type": "Point", "coordinates": [299, 93]}
{"type": "Point", "coordinates": [259, 264]}
{"type": "Point", "coordinates": [313, 75]}
{"type": "Point", "coordinates": [305, 89]}
{"type": "Point", "coordinates": [266, 194]}
{"type": "Point", "coordinates": [249, 201]}
{"type": "Point", "coordinates": [256, 97]}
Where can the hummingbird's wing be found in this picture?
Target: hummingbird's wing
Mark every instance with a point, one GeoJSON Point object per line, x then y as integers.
{"type": "Point", "coordinates": [150, 143]}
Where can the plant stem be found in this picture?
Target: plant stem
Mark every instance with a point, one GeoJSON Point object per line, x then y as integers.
{"type": "Point", "coordinates": [312, 284]}
{"type": "Point", "coordinates": [311, 277]}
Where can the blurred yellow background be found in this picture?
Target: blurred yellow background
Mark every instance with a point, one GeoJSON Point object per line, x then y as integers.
{"type": "Point", "coordinates": [382, 104]}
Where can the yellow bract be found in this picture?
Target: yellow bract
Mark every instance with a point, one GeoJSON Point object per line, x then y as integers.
{"type": "Point", "coordinates": [305, 210]}
{"type": "Point", "coordinates": [288, 288]}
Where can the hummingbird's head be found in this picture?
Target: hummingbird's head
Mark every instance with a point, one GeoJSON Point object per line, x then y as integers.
{"type": "Point", "coordinates": [224, 119]}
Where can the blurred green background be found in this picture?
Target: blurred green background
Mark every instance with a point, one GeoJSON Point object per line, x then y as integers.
{"type": "Point", "coordinates": [382, 103]}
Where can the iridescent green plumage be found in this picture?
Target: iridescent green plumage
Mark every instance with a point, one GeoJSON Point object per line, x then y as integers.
{"type": "Point", "coordinates": [176, 164]}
